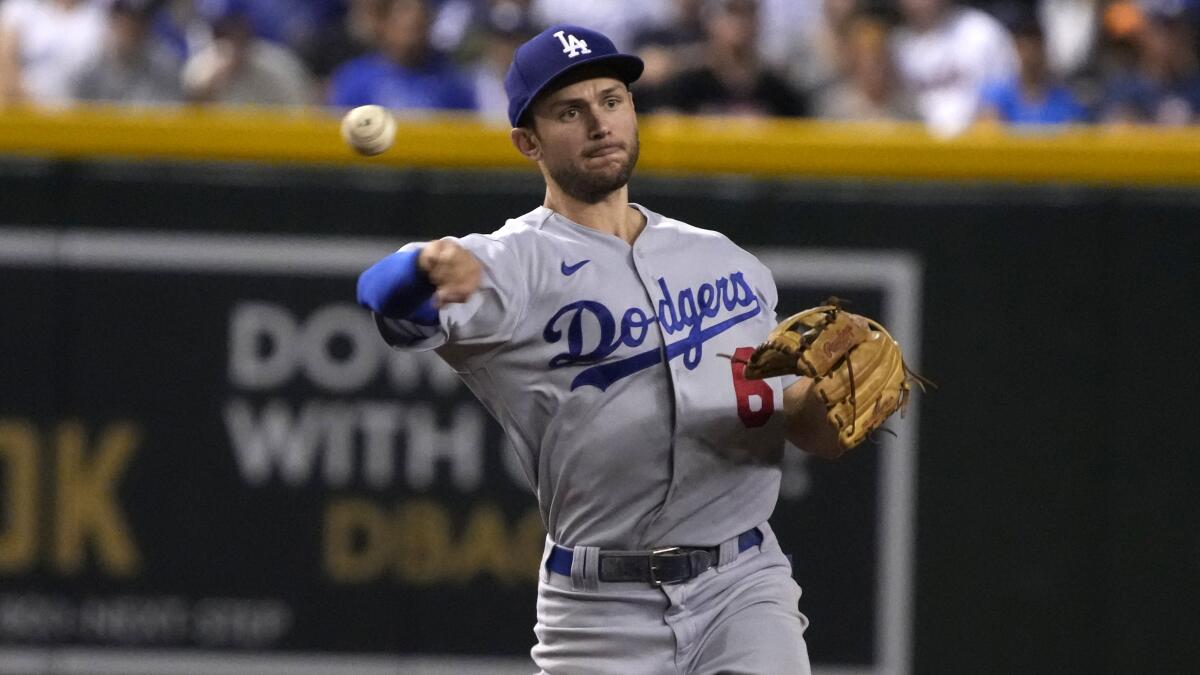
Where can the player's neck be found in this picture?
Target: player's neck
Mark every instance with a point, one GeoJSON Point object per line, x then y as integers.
{"type": "Point", "coordinates": [611, 215]}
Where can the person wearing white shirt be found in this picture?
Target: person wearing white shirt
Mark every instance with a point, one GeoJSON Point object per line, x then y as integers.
{"type": "Point", "coordinates": [238, 68]}
{"type": "Point", "coordinates": [620, 20]}
{"type": "Point", "coordinates": [45, 48]}
{"type": "Point", "coordinates": [945, 54]}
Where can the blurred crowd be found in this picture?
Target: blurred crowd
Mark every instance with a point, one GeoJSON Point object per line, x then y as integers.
{"type": "Point", "coordinates": [946, 63]}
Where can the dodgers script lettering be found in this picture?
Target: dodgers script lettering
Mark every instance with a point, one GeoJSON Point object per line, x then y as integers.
{"type": "Point", "coordinates": [684, 312]}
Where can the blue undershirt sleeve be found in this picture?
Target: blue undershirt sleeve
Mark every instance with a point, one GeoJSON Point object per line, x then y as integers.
{"type": "Point", "coordinates": [396, 288]}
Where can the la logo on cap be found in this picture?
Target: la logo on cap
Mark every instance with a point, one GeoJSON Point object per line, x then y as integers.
{"type": "Point", "coordinates": [572, 46]}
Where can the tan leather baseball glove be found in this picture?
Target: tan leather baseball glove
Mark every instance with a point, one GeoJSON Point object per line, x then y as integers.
{"type": "Point", "coordinates": [858, 369]}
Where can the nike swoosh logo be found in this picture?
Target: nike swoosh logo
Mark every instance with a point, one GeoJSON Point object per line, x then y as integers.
{"type": "Point", "coordinates": [568, 270]}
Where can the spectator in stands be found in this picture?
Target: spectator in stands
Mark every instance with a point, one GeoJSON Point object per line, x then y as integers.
{"type": "Point", "coordinates": [354, 35]}
{"type": "Point", "coordinates": [455, 23]}
{"type": "Point", "coordinates": [806, 40]}
{"type": "Point", "coordinates": [136, 68]}
{"type": "Point", "coordinates": [507, 28]}
{"type": "Point", "coordinates": [945, 54]}
{"type": "Point", "coordinates": [237, 68]}
{"type": "Point", "coordinates": [667, 49]}
{"type": "Point", "coordinates": [177, 27]}
{"type": "Point", "coordinates": [406, 73]}
{"type": "Point", "coordinates": [870, 90]}
{"type": "Point", "coordinates": [45, 47]}
{"type": "Point", "coordinates": [620, 20]}
{"type": "Point", "coordinates": [1034, 96]}
{"type": "Point", "coordinates": [1163, 85]}
{"type": "Point", "coordinates": [291, 23]}
{"type": "Point", "coordinates": [732, 79]}
{"type": "Point", "coordinates": [1071, 30]}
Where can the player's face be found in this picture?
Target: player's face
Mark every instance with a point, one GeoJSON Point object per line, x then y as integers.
{"type": "Point", "coordinates": [587, 139]}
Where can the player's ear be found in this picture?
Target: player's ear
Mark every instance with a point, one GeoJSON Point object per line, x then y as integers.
{"type": "Point", "coordinates": [526, 142]}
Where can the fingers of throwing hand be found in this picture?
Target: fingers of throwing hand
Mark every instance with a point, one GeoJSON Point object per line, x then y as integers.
{"type": "Point", "coordinates": [433, 254]}
{"type": "Point", "coordinates": [453, 270]}
{"type": "Point", "coordinates": [440, 259]}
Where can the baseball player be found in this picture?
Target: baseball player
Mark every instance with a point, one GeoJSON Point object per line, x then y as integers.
{"type": "Point", "coordinates": [592, 329]}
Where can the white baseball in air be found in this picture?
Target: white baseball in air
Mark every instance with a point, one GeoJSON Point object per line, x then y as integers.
{"type": "Point", "coordinates": [369, 129]}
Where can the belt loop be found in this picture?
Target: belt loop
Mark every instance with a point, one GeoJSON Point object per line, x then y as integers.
{"type": "Point", "coordinates": [728, 553]}
{"type": "Point", "coordinates": [768, 534]}
{"type": "Point", "coordinates": [543, 571]}
{"type": "Point", "coordinates": [585, 568]}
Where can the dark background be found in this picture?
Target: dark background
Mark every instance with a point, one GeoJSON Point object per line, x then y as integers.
{"type": "Point", "coordinates": [1057, 496]}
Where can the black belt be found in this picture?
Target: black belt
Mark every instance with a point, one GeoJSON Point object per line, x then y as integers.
{"type": "Point", "coordinates": [671, 565]}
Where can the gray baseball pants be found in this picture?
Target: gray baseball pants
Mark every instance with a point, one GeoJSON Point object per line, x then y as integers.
{"type": "Point", "coordinates": [740, 617]}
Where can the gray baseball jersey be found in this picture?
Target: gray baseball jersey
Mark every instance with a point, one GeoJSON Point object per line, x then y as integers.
{"type": "Point", "coordinates": [601, 361]}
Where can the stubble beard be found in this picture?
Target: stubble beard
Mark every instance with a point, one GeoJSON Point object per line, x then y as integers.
{"type": "Point", "coordinates": [591, 187]}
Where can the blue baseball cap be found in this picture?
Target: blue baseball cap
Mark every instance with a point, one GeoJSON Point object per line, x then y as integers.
{"type": "Point", "coordinates": [555, 52]}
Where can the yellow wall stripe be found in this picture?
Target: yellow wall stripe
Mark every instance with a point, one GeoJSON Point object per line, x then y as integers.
{"type": "Point", "coordinates": [705, 146]}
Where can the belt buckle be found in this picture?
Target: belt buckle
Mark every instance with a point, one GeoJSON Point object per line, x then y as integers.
{"type": "Point", "coordinates": [670, 551]}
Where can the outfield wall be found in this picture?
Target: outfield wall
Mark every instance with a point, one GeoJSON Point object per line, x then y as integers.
{"type": "Point", "coordinates": [1050, 286]}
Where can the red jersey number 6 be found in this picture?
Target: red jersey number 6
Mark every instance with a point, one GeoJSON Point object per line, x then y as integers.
{"type": "Point", "coordinates": [755, 398]}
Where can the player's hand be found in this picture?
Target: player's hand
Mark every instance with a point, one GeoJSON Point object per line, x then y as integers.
{"type": "Point", "coordinates": [452, 269]}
